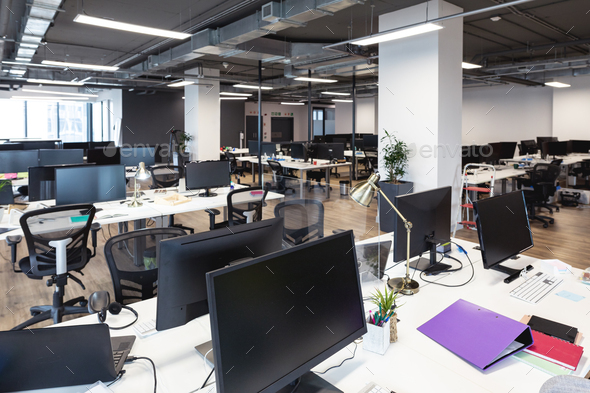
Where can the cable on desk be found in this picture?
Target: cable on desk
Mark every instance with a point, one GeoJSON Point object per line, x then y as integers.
{"type": "Point", "coordinates": [297, 385]}
{"type": "Point", "coordinates": [119, 376]}
{"type": "Point", "coordinates": [207, 379]}
{"type": "Point", "coordinates": [341, 363]}
{"type": "Point", "coordinates": [462, 250]}
{"type": "Point", "coordinates": [134, 358]}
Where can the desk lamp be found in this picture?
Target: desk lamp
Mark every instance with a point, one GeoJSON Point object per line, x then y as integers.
{"type": "Point", "coordinates": [141, 174]}
{"type": "Point", "coordinates": [363, 194]}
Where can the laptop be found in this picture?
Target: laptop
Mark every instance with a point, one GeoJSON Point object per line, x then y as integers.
{"type": "Point", "coordinates": [372, 258]}
{"type": "Point", "coordinates": [60, 356]}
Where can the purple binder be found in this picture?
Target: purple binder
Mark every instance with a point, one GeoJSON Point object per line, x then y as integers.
{"type": "Point", "coordinates": [476, 334]}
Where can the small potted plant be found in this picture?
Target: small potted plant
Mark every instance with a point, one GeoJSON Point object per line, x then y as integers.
{"type": "Point", "coordinates": [395, 162]}
{"type": "Point", "coordinates": [381, 324]}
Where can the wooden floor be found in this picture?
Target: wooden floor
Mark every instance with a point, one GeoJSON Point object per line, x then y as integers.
{"type": "Point", "coordinates": [565, 240]}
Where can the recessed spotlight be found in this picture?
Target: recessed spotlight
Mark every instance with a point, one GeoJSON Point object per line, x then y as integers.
{"type": "Point", "coordinates": [495, 18]}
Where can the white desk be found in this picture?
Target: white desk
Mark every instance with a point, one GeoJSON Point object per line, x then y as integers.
{"type": "Point", "coordinates": [357, 155]}
{"type": "Point", "coordinates": [236, 150]}
{"type": "Point", "coordinates": [483, 176]}
{"type": "Point", "coordinates": [414, 364]}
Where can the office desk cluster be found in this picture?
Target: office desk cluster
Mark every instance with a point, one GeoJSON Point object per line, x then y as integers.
{"type": "Point", "coordinates": [414, 364]}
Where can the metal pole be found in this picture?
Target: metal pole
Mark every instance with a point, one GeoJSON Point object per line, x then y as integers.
{"type": "Point", "coordinates": [259, 123]}
{"type": "Point", "coordinates": [309, 132]}
{"type": "Point", "coordinates": [353, 174]}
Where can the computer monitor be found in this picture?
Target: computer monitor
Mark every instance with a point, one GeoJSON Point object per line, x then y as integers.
{"type": "Point", "coordinates": [276, 317]}
{"type": "Point", "coordinates": [298, 151]}
{"type": "Point", "coordinates": [503, 229]}
{"type": "Point", "coordinates": [89, 184]}
{"type": "Point", "coordinates": [207, 175]}
{"type": "Point", "coordinates": [76, 145]}
{"type": "Point", "coordinates": [359, 144]}
{"type": "Point", "coordinates": [132, 156]}
{"type": "Point", "coordinates": [11, 146]}
{"type": "Point", "coordinates": [528, 147]}
{"type": "Point", "coordinates": [269, 149]}
{"type": "Point", "coordinates": [14, 161]}
{"type": "Point", "coordinates": [36, 145]}
{"type": "Point", "coordinates": [60, 156]}
{"type": "Point", "coordinates": [319, 139]}
{"type": "Point", "coordinates": [6, 195]}
{"type": "Point", "coordinates": [184, 261]}
{"type": "Point", "coordinates": [42, 181]}
{"type": "Point", "coordinates": [371, 141]}
{"type": "Point", "coordinates": [507, 150]}
{"type": "Point", "coordinates": [574, 146]}
{"type": "Point", "coordinates": [253, 147]}
{"type": "Point", "coordinates": [554, 148]}
{"type": "Point", "coordinates": [104, 156]}
{"type": "Point", "coordinates": [329, 151]}
{"type": "Point", "coordinates": [471, 155]}
{"type": "Point", "coordinates": [98, 145]}
{"type": "Point", "coordinates": [430, 214]}
{"type": "Point", "coordinates": [541, 139]}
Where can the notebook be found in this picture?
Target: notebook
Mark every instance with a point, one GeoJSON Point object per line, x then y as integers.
{"type": "Point", "coordinates": [555, 350]}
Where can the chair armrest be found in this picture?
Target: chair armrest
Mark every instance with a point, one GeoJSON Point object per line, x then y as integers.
{"type": "Point", "coordinates": [249, 216]}
{"type": "Point", "coordinates": [94, 228]}
{"type": "Point", "coordinates": [214, 212]}
{"type": "Point", "coordinates": [13, 241]}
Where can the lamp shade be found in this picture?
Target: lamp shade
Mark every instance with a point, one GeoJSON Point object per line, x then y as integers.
{"type": "Point", "coordinates": [364, 191]}
{"type": "Point", "coordinates": [142, 173]}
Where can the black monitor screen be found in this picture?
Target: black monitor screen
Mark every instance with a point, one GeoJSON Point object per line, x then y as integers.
{"type": "Point", "coordinates": [371, 141]}
{"type": "Point", "coordinates": [554, 148]}
{"type": "Point", "coordinates": [253, 147]}
{"type": "Point", "coordinates": [542, 139]}
{"type": "Point", "coordinates": [59, 157]}
{"type": "Point", "coordinates": [89, 184]}
{"type": "Point", "coordinates": [507, 150]}
{"type": "Point", "coordinates": [207, 174]}
{"type": "Point", "coordinates": [42, 181]}
{"type": "Point", "coordinates": [11, 146]}
{"type": "Point", "coordinates": [276, 317]}
{"type": "Point", "coordinates": [328, 151]}
{"type": "Point", "coordinates": [430, 215]}
{"type": "Point", "coordinates": [578, 146]}
{"type": "Point", "coordinates": [104, 156]}
{"type": "Point", "coordinates": [132, 156]}
{"type": "Point", "coordinates": [528, 147]}
{"type": "Point", "coordinates": [76, 145]}
{"type": "Point", "coordinates": [298, 151]}
{"type": "Point", "coordinates": [36, 145]}
{"type": "Point", "coordinates": [269, 149]}
{"type": "Point", "coordinates": [502, 227]}
{"type": "Point", "coordinates": [183, 263]}
{"type": "Point", "coordinates": [13, 161]}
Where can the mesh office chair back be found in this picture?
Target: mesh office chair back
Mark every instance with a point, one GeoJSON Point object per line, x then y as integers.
{"type": "Point", "coordinates": [164, 176]}
{"type": "Point", "coordinates": [245, 205]}
{"type": "Point", "coordinates": [132, 259]}
{"type": "Point", "coordinates": [303, 220]}
{"type": "Point", "coordinates": [56, 223]}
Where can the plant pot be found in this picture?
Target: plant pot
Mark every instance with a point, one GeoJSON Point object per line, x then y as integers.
{"type": "Point", "coordinates": [377, 338]}
{"type": "Point", "coordinates": [387, 216]}
{"type": "Point", "coordinates": [393, 328]}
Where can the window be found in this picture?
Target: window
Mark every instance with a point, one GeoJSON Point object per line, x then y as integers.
{"type": "Point", "coordinates": [73, 121]}
{"type": "Point", "coordinates": [42, 119]}
{"type": "Point", "coordinates": [12, 113]}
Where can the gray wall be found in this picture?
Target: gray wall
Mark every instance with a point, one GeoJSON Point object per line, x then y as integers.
{"type": "Point", "coordinates": [147, 118]}
{"type": "Point", "coordinates": [232, 122]}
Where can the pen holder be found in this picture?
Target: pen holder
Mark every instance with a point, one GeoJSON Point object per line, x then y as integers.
{"type": "Point", "coordinates": [377, 338]}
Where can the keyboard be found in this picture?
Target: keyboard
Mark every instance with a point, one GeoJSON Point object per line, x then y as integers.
{"type": "Point", "coordinates": [536, 287]}
{"type": "Point", "coordinates": [145, 329]}
{"type": "Point", "coordinates": [373, 388]}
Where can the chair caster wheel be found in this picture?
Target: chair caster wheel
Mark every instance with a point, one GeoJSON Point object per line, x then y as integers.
{"type": "Point", "coordinates": [34, 314]}
{"type": "Point", "coordinates": [557, 209]}
{"type": "Point", "coordinates": [552, 221]}
{"type": "Point", "coordinates": [545, 225]}
{"type": "Point", "coordinates": [84, 303]}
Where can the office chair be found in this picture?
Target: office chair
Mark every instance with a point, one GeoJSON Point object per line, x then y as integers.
{"type": "Point", "coordinates": [316, 176]}
{"type": "Point", "coordinates": [543, 178]}
{"type": "Point", "coordinates": [233, 166]}
{"type": "Point", "coordinates": [243, 206]}
{"type": "Point", "coordinates": [132, 259]}
{"type": "Point", "coordinates": [565, 384]}
{"type": "Point", "coordinates": [278, 178]}
{"type": "Point", "coordinates": [370, 161]}
{"type": "Point", "coordinates": [303, 220]}
{"type": "Point", "coordinates": [557, 161]}
{"type": "Point", "coordinates": [56, 239]}
{"type": "Point", "coordinates": [166, 176]}
{"type": "Point", "coordinates": [584, 171]}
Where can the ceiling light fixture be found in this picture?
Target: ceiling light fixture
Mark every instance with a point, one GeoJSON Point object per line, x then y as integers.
{"type": "Point", "coordinates": [335, 100]}
{"type": "Point", "coordinates": [227, 93]}
{"type": "Point", "coordinates": [111, 24]}
{"type": "Point", "coordinates": [320, 80]}
{"type": "Point", "coordinates": [557, 84]}
{"type": "Point", "coordinates": [233, 98]}
{"type": "Point", "coordinates": [27, 59]}
{"type": "Point", "coordinates": [48, 98]}
{"type": "Point", "coordinates": [397, 34]}
{"type": "Point", "coordinates": [469, 66]}
{"type": "Point", "coordinates": [292, 103]}
{"type": "Point", "coordinates": [52, 82]}
{"type": "Point", "coordinates": [253, 87]}
{"type": "Point", "coordinates": [80, 66]}
{"type": "Point", "coordinates": [181, 83]}
{"type": "Point", "coordinates": [59, 93]}
{"type": "Point", "coordinates": [333, 93]}
{"type": "Point", "coordinates": [496, 18]}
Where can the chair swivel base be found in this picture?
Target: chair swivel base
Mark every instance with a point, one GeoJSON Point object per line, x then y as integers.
{"type": "Point", "coordinates": [55, 313]}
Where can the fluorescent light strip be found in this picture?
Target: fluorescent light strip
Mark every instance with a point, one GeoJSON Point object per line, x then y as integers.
{"type": "Point", "coordinates": [111, 24]}
{"type": "Point", "coordinates": [59, 93]}
{"type": "Point", "coordinates": [80, 66]}
{"type": "Point", "coordinates": [395, 35]}
{"type": "Point", "coordinates": [252, 87]}
{"type": "Point", "coordinates": [557, 84]}
{"type": "Point", "coordinates": [320, 80]}
{"type": "Point", "coordinates": [335, 93]}
{"type": "Point", "coordinates": [335, 100]}
{"type": "Point", "coordinates": [48, 98]}
{"type": "Point", "coordinates": [292, 103]}
{"type": "Point", "coordinates": [52, 82]}
{"type": "Point", "coordinates": [22, 59]}
{"type": "Point", "coordinates": [233, 98]}
{"type": "Point", "coordinates": [225, 93]}
{"type": "Point", "coordinates": [17, 71]}
{"type": "Point", "coordinates": [181, 83]}
{"type": "Point", "coordinates": [469, 66]}
{"type": "Point", "coordinates": [28, 45]}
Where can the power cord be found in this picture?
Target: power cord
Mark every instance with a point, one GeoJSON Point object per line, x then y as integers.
{"type": "Point", "coordinates": [134, 358]}
{"type": "Point", "coordinates": [207, 379]}
{"type": "Point", "coordinates": [341, 363]}
{"type": "Point", "coordinates": [461, 250]}
{"type": "Point", "coordinates": [119, 376]}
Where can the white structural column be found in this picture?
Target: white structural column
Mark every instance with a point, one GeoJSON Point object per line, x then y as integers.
{"type": "Point", "coordinates": [420, 95]}
{"type": "Point", "coordinates": [202, 115]}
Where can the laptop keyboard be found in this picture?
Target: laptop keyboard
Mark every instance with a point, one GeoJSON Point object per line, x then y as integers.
{"type": "Point", "coordinates": [536, 287]}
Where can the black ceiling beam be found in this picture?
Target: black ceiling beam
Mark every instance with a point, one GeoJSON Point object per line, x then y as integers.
{"type": "Point", "coordinates": [496, 34]}
{"type": "Point", "coordinates": [529, 30]}
{"type": "Point", "coordinates": [508, 79]}
{"type": "Point", "coordinates": [531, 48]}
{"type": "Point", "coordinates": [487, 39]}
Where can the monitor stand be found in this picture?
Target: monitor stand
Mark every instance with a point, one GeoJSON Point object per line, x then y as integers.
{"type": "Point", "coordinates": [513, 274]}
{"type": "Point", "coordinates": [423, 264]}
{"type": "Point", "coordinates": [206, 349]}
{"type": "Point", "coordinates": [207, 194]}
{"type": "Point", "coordinates": [311, 383]}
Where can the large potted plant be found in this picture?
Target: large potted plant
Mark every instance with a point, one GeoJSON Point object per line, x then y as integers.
{"type": "Point", "coordinates": [395, 162]}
